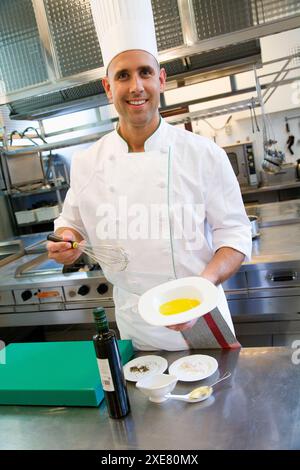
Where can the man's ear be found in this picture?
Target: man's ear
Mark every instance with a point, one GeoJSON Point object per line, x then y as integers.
{"type": "Point", "coordinates": [107, 88]}
{"type": "Point", "coordinates": [162, 79]}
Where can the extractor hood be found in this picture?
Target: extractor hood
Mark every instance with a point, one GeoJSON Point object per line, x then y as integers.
{"type": "Point", "coordinates": [51, 63]}
{"type": "Point", "coordinates": [209, 65]}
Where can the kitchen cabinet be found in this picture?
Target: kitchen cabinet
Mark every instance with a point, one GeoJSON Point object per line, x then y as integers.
{"type": "Point", "coordinates": [35, 211]}
{"type": "Point", "coordinates": [276, 330]}
{"type": "Point", "coordinates": [285, 339]}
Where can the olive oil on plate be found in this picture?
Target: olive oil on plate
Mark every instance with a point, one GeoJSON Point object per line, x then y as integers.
{"type": "Point", "coordinates": [176, 306]}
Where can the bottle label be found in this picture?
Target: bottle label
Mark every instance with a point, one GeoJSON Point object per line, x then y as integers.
{"type": "Point", "coordinates": [105, 374]}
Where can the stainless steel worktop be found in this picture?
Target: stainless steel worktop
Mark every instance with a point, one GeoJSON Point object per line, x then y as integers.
{"type": "Point", "coordinates": [276, 244]}
{"type": "Point", "coordinates": [273, 187]}
{"type": "Point", "coordinates": [276, 213]}
{"type": "Point", "coordinates": [258, 408]}
{"type": "Point", "coordinates": [279, 228]}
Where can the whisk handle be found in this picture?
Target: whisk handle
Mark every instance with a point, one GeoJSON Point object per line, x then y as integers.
{"type": "Point", "coordinates": [55, 238]}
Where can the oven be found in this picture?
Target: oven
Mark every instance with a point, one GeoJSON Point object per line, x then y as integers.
{"type": "Point", "coordinates": [241, 157]}
{"type": "Point", "coordinates": [37, 292]}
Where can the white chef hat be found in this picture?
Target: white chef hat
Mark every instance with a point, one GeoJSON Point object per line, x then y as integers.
{"type": "Point", "coordinates": [124, 25]}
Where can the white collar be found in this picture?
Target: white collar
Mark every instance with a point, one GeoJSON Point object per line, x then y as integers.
{"type": "Point", "coordinates": [154, 142]}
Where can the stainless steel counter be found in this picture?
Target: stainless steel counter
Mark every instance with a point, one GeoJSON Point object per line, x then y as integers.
{"type": "Point", "coordinates": [273, 187]}
{"type": "Point", "coordinates": [258, 408]}
{"type": "Point", "coordinates": [275, 244]}
{"type": "Point", "coordinates": [276, 213]}
{"type": "Point", "coordinates": [279, 227]}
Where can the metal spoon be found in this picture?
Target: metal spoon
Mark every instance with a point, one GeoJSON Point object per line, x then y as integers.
{"type": "Point", "coordinates": [199, 393]}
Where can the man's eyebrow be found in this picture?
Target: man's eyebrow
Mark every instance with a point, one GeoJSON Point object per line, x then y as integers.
{"type": "Point", "coordinates": [146, 67]}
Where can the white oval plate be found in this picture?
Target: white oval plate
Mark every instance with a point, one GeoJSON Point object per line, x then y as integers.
{"type": "Point", "coordinates": [187, 287]}
{"type": "Point", "coordinates": [194, 367]}
{"type": "Point", "coordinates": [134, 370]}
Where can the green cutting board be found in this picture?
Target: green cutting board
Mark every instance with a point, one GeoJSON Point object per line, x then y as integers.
{"type": "Point", "coordinates": [54, 373]}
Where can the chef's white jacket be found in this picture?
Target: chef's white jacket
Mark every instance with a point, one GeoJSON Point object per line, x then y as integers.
{"type": "Point", "coordinates": [195, 173]}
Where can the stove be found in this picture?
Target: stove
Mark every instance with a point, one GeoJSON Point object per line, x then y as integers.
{"type": "Point", "coordinates": [37, 291]}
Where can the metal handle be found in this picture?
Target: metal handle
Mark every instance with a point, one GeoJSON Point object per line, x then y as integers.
{"type": "Point", "coordinates": [177, 397]}
{"type": "Point", "coordinates": [298, 169]}
{"type": "Point", "coordinates": [225, 376]}
{"type": "Point", "coordinates": [283, 277]}
{"type": "Point", "coordinates": [55, 238]}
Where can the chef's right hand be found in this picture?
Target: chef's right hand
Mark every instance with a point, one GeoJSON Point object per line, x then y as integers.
{"type": "Point", "coordinates": [62, 252]}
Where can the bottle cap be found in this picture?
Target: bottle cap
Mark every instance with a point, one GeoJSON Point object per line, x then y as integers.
{"type": "Point", "coordinates": [99, 312]}
{"type": "Point", "coordinates": [100, 318]}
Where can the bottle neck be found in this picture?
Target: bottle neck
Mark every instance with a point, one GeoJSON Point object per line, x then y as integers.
{"type": "Point", "coordinates": [102, 326]}
{"type": "Point", "coordinates": [100, 319]}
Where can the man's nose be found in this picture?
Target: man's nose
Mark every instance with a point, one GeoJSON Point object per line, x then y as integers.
{"type": "Point", "coordinates": [136, 84]}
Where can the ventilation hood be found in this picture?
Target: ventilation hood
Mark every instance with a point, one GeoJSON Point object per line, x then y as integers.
{"type": "Point", "coordinates": [51, 63]}
{"type": "Point", "coordinates": [206, 66]}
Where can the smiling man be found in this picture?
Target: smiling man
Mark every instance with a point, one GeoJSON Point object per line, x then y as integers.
{"type": "Point", "coordinates": [134, 82]}
{"type": "Point", "coordinates": [168, 197]}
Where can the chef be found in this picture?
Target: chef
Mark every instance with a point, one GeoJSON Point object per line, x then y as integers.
{"type": "Point", "coordinates": [167, 196]}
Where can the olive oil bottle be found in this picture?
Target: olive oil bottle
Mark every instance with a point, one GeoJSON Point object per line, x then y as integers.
{"type": "Point", "coordinates": [110, 367]}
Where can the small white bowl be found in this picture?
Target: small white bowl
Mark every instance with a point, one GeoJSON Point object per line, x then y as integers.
{"type": "Point", "coordinates": [155, 387]}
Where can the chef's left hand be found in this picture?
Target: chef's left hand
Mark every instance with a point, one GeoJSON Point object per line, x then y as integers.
{"type": "Point", "coordinates": [183, 326]}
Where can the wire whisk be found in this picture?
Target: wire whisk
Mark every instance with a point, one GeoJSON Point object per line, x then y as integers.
{"type": "Point", "coordinates": [110, 256]}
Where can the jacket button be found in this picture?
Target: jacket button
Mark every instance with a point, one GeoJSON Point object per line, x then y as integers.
{"type": "Point", "coordinates": [112, 189]}
{"type": "Point", "coordinates": [111, 157]}
{"type": "Point", "coordinates": [162, 185]}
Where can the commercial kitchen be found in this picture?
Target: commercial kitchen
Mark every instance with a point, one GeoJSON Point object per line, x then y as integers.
{"type": "Point", "coordinates": [233, 76]}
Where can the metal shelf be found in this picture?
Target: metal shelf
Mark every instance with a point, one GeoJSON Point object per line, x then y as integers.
{"type": "Point", "coordinates": [37, 191]}
{"type": "Point", "coordinates": [273, 187]}
{"type": "Point", "coordinates": [38, 222]}
{"type": "Point", "coordinates": [56, 145]}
